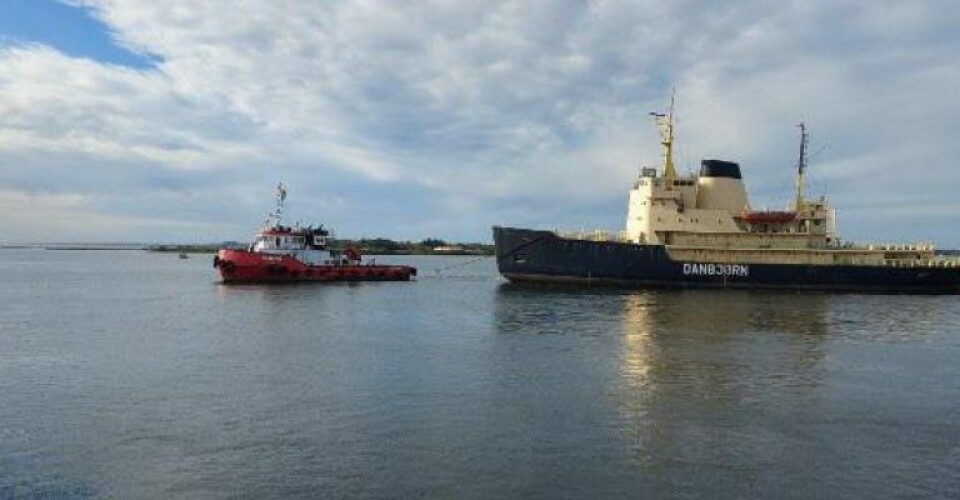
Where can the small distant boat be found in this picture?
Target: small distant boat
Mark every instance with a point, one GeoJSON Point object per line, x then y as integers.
{"type": "Point", "coordinates": [292, 254]}
{"type": "Point", "coordinates": [183, 255]}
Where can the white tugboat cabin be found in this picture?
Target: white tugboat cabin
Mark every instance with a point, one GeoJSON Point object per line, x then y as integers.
{"type": "Point", "coordinates": [306, 244]}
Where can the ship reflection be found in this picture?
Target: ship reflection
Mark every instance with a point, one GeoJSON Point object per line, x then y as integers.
{"type": "Point", "coordinates": [686, 375]}
{"type": "Point", "coordinates": [556, 310]}
{"type": "Point", "coordinates": [666, 332]}
{"type": "Point", "coordinates": [698, 369]}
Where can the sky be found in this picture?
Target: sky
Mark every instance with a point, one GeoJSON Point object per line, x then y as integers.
{"type": "Point", "coordinates": [173, 121]}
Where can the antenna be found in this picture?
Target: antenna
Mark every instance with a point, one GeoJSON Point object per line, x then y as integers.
{"type": "Point", "coordinates": [274, 218]}
{"type": "Point", "coordinates": [665, 123]}
{"type": "Point", "coordinates": [801, 165]}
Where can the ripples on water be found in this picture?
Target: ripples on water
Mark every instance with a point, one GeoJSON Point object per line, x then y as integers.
{"type": "Point", "coordinates": [127, 374]}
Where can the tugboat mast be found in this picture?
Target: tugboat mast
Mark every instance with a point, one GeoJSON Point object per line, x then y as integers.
{"type": "Point", "coordinates": [274, 218]}
{"type": "Point", "coordinates": [801, 166]}
{"type": "Point", "coordinates": [665, 123]}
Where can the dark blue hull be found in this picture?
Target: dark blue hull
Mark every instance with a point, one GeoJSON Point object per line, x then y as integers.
{"type": "Point", "coordinates": [525, 255]}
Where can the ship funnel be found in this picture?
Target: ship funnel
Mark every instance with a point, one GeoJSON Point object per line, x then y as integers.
{"type": "Point", "coordinates": [720, 187]}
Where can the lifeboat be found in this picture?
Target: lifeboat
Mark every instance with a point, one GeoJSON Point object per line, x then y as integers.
{"type": "Point", "coordinates": [290, 254]}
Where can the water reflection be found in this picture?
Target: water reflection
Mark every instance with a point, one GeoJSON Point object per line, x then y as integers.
{"type": "Point", "coordinates": [670, 332]}
{"type": "Point", "coordinates": [272, 291]}
{"type": "Point", "coordinates": [556, 310]}
{"type": "Point", "coordinates": [699, 369]}
{"type": "Point", "coordinates": [687, 374]}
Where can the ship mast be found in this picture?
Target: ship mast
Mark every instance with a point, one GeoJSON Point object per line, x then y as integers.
{"type": "Point", "coordinates": [274, 218]}
{"type": "Point", "coordinates": [665, 124]}
{"type": "Point", "coordinates": [801, 166]}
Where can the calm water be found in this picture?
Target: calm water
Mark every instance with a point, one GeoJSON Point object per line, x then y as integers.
{"type": "Point", "coordinates": [131, 374]}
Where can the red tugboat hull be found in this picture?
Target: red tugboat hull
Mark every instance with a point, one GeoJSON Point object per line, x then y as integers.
{"type": "Point", "coordinates": [241, 266]}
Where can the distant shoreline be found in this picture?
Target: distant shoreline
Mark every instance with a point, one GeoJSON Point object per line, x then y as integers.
{"type": "Point", "coordinates": [378, 246]}
{"type": "Point", "coordinates": [76, 247]}
{"type": "Point", "coordinates": [474, 249]}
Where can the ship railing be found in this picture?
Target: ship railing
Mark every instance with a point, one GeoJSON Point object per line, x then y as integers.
{"type": "Point", "coordinates": [920, 247]}
{"type": "Point", "coordinates": [884, 247]}
{"type": "Point", "coordinates": [594, 235]}
{"type": "Point", "coordinates": [944, 262]}
{"type": "Point", "coordinates": [947, 261]}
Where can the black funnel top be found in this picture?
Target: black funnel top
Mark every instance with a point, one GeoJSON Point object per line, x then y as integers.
{"type": "Point", "coordinates": [720, 168]}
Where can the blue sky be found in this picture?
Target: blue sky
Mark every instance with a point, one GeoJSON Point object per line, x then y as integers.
{"type": "Point", "coordinates": [171, 121]}
{"type": "Point", "coordinates": [69, 29]}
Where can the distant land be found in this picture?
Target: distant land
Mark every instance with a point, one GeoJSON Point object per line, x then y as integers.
{"type": "Point", "coordinates": [368, 246]}
{"type": "Point", "coordinates": [75, 246]}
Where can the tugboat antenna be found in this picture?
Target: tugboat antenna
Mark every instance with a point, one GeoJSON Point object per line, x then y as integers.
{"type": "Point", "coordinates": [276, 216]}
{"type": "Point", "coordinates": [801, 165]}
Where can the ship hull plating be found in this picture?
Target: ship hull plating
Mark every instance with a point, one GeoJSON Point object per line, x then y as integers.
{"type": "Point", "coordinates": [241, 266]}
{"type": "Point", "coordinates": [525, 255]}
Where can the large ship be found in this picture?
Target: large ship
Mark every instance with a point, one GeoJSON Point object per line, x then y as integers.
{"type": "Point", "coordinates": [292, 254]}
{"type": "Point", "coordinates": [700, 231]}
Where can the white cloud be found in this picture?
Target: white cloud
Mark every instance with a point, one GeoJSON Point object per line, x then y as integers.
{"type": "Point", "coordinates": [455, 115]}
{"type": "Point", "coordinates": [35, 211]}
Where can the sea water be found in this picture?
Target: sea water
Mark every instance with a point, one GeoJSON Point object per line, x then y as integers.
{"type": "Point", "coordinates": [131, 374]}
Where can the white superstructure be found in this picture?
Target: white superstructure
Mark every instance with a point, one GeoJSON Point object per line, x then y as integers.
{"type": "Point", "coordinates": [711, 209]}
{"type": "Point", "coordinates": [306, 244]}
{"type": "Point", "coordinates": [707, 217]}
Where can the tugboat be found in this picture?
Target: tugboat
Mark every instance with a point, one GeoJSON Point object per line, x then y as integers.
{"type": "Point", "coordinates": [294, 254]}
{"type": "Point", "coordinates": [700, 231]}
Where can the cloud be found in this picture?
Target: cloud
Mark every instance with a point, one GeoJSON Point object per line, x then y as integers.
{"type": "Point", "coordinates": [74, 211]}
{"type": "Point", "coordinates": [438, 118]}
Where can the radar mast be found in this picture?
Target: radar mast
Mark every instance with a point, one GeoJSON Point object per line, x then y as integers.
{"type": "Point", "coordinates": [801, 166]}
{"type": "Point", "coordinates": [274, 218]}
{"type": "Point", "coordinates": [665, 124]}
